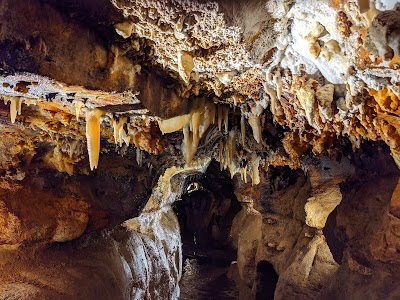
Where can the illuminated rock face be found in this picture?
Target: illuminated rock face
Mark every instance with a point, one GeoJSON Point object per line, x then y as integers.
{"type": "Point", "coordinates": [109, 107]}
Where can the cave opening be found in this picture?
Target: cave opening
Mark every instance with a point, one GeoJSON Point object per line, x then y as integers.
{"type": "Point", "coordinates": [205, 213]}
{"type": "Point", "coordinates": [266, 281]}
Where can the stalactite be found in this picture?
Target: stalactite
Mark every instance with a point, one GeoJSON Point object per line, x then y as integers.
{"type": "Point", "coordinates": [255, 173]}
{"type": "Point", "coordinates": [15, 107]}
{"type": "Point", "coordinates": [225, 154]}
{"type": "Point", "coordinates": [197, 119]}
{"type": "Point", "coordinates": [279, 85]}
{"type": "Point", "coordinates": [93, 135]}
{"type": "Point", "coordinates": [226, 118]}
{"type": "Point", "coordinates": [73, 147]}
{"type": "Point", "coordinates": [29, 101]}
{"type": "Point", "coordinates": [243, 130]}
{"type": "Point", "coordinates": [243, 173]}
{"type": "Point", "coordinates": [123, 137]}
{"type": "Point", "coordinates": [139, 157]}
{"type": "Point", "coordinates": [119, 131]}
{"type": "Point", "coordinates": [208, 118]}
{"type": "Point", "coordinates": [189, 145]}
{"type": "Point", "coordinates": [19, 105]}
{"type": "Point", "coordinates": [185, 65]}
{"type": "Point", "coordinates": [220, 117]}
{"type": "Point", "coordinates": [201, 117]}
{"type": "Point", "coordinates": [255, 124]}
{"type": "Point", "coordinates": [221, 149]}
{"type": "Point", "coordinates": [231, 146]}
{"type": "Point", "coordinates": [272, 95]}
{"type": "Point", "coordinates": [116, 125]}
{"type": "Point", "coordinates": [174, 124]}
{"type": "Point", "coordinates": [78, 106]}
{"type": "Point", "coordinates": [13, 110]}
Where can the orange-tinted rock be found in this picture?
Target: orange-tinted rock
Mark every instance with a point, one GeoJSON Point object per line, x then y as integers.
{"type": "Point", "coordinates": [31, 216]}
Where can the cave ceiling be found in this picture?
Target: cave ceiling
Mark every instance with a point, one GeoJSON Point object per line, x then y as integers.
{"type": "Point", "coordinates": [248, 83]}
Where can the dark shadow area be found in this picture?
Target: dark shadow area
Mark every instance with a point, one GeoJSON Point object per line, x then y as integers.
{"type": "Point", "coordinates": [335, 237]}
{"type": "Point", "coordinates": [205, 213]}
{"type": "Point", "coordinates": [266, 281]}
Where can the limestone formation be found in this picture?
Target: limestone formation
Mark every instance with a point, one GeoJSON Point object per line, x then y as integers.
{"type": "Point", "coordinates": [139, 136]}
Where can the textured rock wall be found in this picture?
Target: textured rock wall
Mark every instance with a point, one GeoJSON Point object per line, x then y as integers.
{"type": "Point", "coordinates": [318, 253]}
{"type": "Point", "coordinates": [140, 260]}
{"type": "Point", "coordinates": [116, 264]}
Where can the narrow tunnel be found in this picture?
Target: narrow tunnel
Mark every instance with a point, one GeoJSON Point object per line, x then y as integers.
{"type": "Point", "coordinates": [266, 281]}
{"type": "Point", "coordinates": [205, 213]}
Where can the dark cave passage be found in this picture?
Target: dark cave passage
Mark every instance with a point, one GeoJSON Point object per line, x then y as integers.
{"type": "Point", "coordinates": [205, 213]}
{"type": "Point", "coordinates": [266, 281]}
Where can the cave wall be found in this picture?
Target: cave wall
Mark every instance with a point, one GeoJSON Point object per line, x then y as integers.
{"type": "Point", "coordinates": [347, 239]}
{"type": "Point", "coordinates": [61, 246]}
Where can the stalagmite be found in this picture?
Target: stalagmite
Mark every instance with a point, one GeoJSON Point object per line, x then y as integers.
{"type": "Point", "coordinates": [93, 135]}
{"type": "Point", "coordinates": [78, 107]}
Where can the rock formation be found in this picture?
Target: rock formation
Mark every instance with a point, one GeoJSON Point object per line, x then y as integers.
{"type": "Point", "coordinates": [269, 130]}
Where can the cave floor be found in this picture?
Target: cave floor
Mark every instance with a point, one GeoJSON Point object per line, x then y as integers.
{"type": "Point", "coordinates": [203, 279]}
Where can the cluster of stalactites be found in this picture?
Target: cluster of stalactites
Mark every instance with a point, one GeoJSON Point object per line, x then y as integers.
{"type": "Point", "coordinates": [202, 117]}
{"type": "Point", "coordinates": [16, 105]}
{"type": "Point", "coordinates": [230, 159]}
{"type": "Point", "coordinates": [93, 121]}
{"type": "Point", "coordinates": [198, 120]}
{"type": "Point", "coordinates": [120, 135]}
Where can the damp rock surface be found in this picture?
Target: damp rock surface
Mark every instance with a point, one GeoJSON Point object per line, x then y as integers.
{"type": "Point", "coordinates": [204, 280]}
